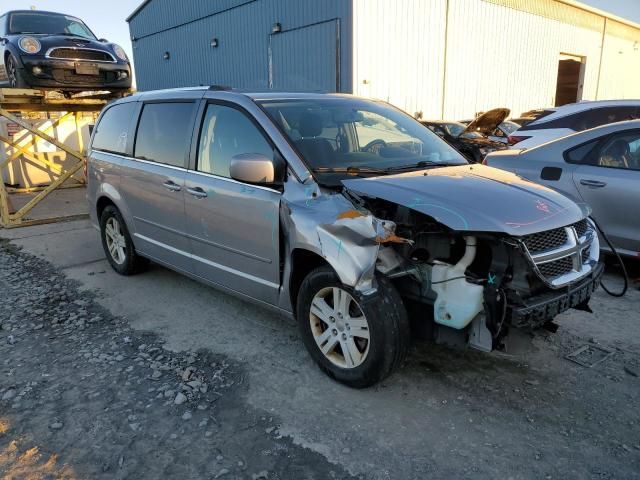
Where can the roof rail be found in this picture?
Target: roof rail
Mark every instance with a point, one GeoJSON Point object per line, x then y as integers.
{"type": "Point", "coordinates": [220, 88]}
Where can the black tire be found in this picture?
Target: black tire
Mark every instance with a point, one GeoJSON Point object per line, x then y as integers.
{"type": "Point", "coordinates": [131, 262]}
{"type": "Point", "coordinates": [388, 327]}
{"type": "Point", "coordinates": [13, 73]}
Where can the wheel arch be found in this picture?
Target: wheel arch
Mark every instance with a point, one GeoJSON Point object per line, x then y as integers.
{"type": "Point", "coordinates": [303, 261]}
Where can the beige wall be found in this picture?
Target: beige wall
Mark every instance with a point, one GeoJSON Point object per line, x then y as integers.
{"type": "Point", "coordinates": [499, 53]}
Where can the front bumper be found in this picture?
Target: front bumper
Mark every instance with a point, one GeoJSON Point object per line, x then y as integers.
{"type": "Point", "coordinates": [539, 309]}
{"type": "Point", "coordinates": [61, 74]}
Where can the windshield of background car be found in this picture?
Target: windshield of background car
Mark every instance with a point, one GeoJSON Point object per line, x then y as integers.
{"type": "Point", "coordinates": [47, 23]}
{"type": "Point", "coordinates": [341, 133]}
{"type": "Point", "coordinates": [454, 129]}
{"type": "Point", "coordinates": [509, 127]}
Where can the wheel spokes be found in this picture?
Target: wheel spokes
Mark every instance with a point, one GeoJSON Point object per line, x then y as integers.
{"type": "Point", "coordinates": [321, 309]}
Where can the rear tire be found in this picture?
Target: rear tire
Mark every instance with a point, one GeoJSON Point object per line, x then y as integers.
{"type": "Point", "coordinates": [117, 243]}
{"type": "Point", "coordinates": [13, 73]}
{"type": "Point", "coordinates": [356, 342]}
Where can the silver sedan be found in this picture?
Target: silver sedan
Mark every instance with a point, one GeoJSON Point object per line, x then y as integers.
{"type": "Point", "coordinates": [600, 167]}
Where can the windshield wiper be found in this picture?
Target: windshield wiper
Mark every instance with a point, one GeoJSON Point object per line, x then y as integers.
{"type": "Point", "coordinates": [421, 164]}
{"type": "Point", "coordinates": [351, 170]}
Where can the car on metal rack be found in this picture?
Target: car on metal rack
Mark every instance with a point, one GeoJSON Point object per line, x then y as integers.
{"type": "Point", "coordinates": [342, 212]}
{"type": "Point", "coordinates": [54, 51]}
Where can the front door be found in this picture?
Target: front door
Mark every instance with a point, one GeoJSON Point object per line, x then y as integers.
{"type": "Point", "coordinates": [610, 184]}
{"type": "Point", "coordinates": [233, 227]}
{"type": "Point", "coordinates": [152, 183]}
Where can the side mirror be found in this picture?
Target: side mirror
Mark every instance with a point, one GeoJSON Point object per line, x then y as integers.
{"type": "Point", "coordinates": [103, 40]}
{"type": "Point", "coordinates": [254, 168]}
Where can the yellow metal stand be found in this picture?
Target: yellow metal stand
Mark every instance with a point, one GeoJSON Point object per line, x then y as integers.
{"type": "Point", "coordinates": [39, 101]}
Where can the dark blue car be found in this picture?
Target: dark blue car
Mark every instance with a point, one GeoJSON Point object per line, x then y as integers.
{"type": "Point", "coordinates": [54, 51]}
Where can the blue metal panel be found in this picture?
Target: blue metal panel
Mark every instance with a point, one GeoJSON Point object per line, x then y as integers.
{"type": "Point", "coordinates": [242, 57]}
{"type": "Point", "coordinates": [306, 58]}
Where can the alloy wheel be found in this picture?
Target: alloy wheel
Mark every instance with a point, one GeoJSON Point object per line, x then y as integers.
{"type": "Point", "coordinates": [116, 243]}
{"type": "Point", "coordinates": [339, 327]}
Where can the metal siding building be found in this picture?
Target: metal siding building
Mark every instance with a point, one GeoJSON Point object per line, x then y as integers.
{"type": "Point", "coordinates": [440, 58]}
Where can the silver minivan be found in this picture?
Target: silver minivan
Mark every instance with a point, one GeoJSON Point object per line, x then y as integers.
{"type": "Point", "coordinates": [342, 212]}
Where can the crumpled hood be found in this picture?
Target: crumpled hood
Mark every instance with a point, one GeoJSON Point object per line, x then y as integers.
{"type": "Point", "coordinates": [475, 198]}
{"type": "Point", "coordinates": [488, 121]}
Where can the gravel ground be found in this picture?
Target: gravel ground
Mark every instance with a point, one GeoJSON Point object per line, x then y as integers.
{"type": "Point", "coordinates": [83, 396]}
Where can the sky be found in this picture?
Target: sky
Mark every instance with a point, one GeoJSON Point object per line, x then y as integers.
{"type": "Point", "coordinates": [629, 9]}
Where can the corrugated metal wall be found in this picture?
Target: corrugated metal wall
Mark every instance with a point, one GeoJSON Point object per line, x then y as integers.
{"type": "Point", "coordinates": [185, 30]}
{"type": "Point", "coordinates": [499, 53]}
{"type": "Point", "coordinates": [399, 52]}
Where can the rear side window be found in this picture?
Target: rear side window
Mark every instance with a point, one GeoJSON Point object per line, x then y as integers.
{"type": "Point", "coordinates": [602, 116]}
{"type": "Point", "coordinates": [164, 133]}
{"type": "Point", "coordinates": [113, 129]}
{"type": "Point", "coordinates": [580, 154]}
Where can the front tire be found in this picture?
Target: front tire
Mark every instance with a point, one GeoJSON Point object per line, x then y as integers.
{"type": "Point", "coordinates": [13, 73]}
{"type": "Point", "coordinates": [355, 341]}
{"type": "Point", "coordinates": [117, 243]}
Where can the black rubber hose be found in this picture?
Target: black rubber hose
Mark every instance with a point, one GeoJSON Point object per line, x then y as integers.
{"type": "Point", "coordinates": [624, 270]}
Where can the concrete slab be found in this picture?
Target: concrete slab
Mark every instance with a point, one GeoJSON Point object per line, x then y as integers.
{"type": "Point", "coordinates": [64, 244]}
{"type": "Point", "coordinates": [59, 203]}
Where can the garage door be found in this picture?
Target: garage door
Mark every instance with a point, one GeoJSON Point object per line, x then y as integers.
{"type": "Point", "coordinates": [305, 58]}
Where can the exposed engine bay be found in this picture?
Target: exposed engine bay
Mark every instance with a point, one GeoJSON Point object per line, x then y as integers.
{"type": "Point", "coordinates": [479, 285]}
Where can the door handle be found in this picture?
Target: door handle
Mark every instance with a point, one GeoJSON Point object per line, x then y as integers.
{"type": "Point", "coordinates": [169, 185]}
{"type": "Point", "coordinates": [197, 192]}
{"type": "Point", "coordinates": [592, 183]}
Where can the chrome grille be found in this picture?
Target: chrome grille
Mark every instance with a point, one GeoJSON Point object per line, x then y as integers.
{"type": "Point", "coordinates": [539, 242]}
{"type": "Point", "coordinates": [562, 255]}
{"type": "Point", "coordinates": [581, 227]}
{"type": "Point", "coordinates": [80, 54]}
{"type": "Point", "coordinates": [556, 268]}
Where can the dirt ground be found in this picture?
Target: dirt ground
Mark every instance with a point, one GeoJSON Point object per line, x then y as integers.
{"type": "Point", "coordinates": [90, 385]}
{"type": "Point", "coordinates": [83, 396]}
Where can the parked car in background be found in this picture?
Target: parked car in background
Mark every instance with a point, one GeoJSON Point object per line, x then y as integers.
{"type": "Point", "coordinates": [340, 212]}
{"type": "Point", "coordinates": [502, 131]}
{"type": "Point", "coordinates": [53, 51]}
{"type": "Point", "coordinates": [557, 122]}
{"type": "Point", "coordinates": [472, 140]}
{"type": "Point", "coordinates": [600, 167]}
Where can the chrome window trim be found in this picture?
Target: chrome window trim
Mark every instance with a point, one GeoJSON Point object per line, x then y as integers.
{"type": "Point", "coordinates": [48, 55]}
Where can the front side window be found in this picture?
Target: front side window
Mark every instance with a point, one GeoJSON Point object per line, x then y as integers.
{"type": "Point", "coordinates": [113, 130]}
{"type": "Point", "coordinates": [227, 132]}
{"type": "Point", "coordinates": [47, 23]}
{"type": "Point", "coordinates": [364, 135]}
{"type": "Point", "coordinates": [164, 133]}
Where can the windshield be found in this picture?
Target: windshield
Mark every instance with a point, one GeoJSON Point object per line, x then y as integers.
{"type": "Point", "coordinates": [347, 133]}
{"type": "Point", "coordinates": [454, 129]}
{"type": "Point", "coordinates": [48, 23]}
{"type": "Point", "coordinates": [509, 127]}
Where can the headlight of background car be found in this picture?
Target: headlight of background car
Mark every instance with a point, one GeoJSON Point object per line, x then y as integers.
{"type": "Point", "coordinates": [119, 51]}
{"type": "Point", "coordinates": [29, 45]}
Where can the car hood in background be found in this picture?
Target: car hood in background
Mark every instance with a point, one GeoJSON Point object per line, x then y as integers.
{"type": "Point", "coordinates": [488, 121]}
{"type": "Point", "coordinates": [475, 198]}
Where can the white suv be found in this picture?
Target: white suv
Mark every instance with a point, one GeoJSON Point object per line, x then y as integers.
{"type": "Point", "coordinates": [561, 121]}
